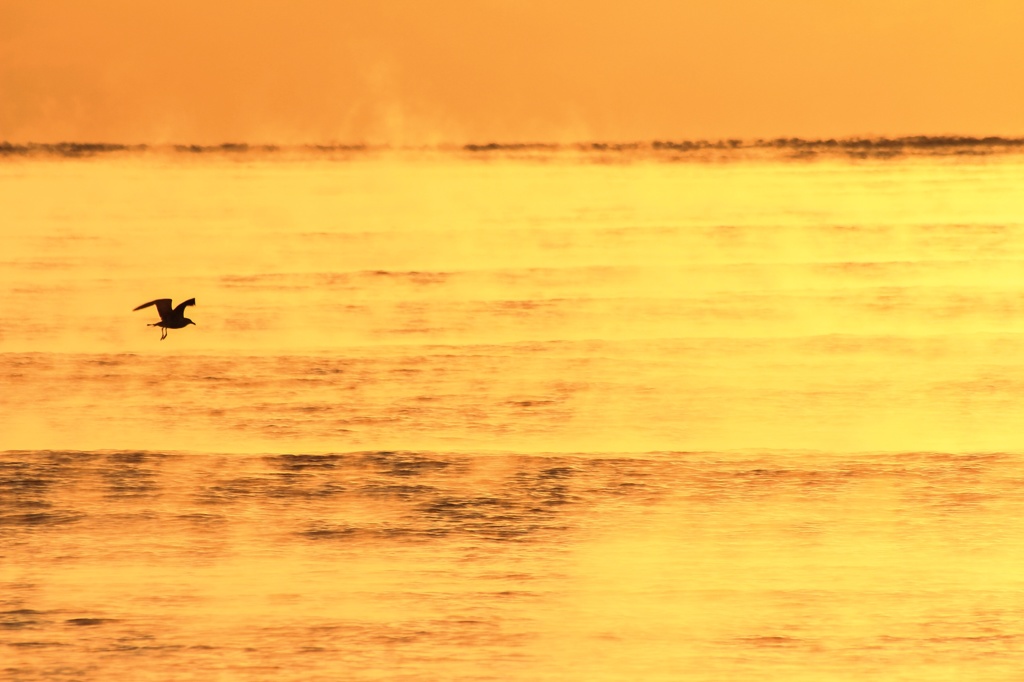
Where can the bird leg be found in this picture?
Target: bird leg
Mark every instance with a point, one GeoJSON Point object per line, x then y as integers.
{"type": "Point", "coordinates": [163, 333]}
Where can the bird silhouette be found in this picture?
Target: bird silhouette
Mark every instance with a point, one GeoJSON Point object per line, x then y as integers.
{"type": "Point", "coordinates": [169, 319]}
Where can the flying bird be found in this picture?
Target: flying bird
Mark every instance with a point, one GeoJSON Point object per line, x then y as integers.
{"type": "Point", "coordinates": [169, 319]}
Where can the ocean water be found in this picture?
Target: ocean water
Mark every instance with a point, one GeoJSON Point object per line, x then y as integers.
{"type": "Point", "coordinates": [515, 413]}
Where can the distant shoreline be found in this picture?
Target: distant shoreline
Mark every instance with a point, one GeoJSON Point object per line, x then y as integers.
{"type": "Point", "coordinates": [788, 147]}
{"type": "Point", "coordinates": [878, 144]}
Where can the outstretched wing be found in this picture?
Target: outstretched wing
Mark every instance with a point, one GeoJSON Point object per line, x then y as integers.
{"type": "Point", "coordinates": [163, 306]}
{"type": "Point", "coordinates": [179, 310]}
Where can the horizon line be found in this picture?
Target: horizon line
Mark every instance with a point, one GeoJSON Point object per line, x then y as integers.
{"type": "Point", "coordinates": [873, 145]}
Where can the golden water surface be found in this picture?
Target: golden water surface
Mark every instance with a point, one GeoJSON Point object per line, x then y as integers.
{"type": "Point", "coordinates": [483, 416]}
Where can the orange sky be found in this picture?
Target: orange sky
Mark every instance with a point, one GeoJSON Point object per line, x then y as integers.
{"type": "Point", "coordinates": [427, 71]}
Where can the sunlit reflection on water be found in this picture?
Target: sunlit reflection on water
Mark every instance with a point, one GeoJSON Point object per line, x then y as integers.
{"type": "Point", "coordinates": [420, 565]}
{"type": "Point", "coordinates": [493, 419]}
